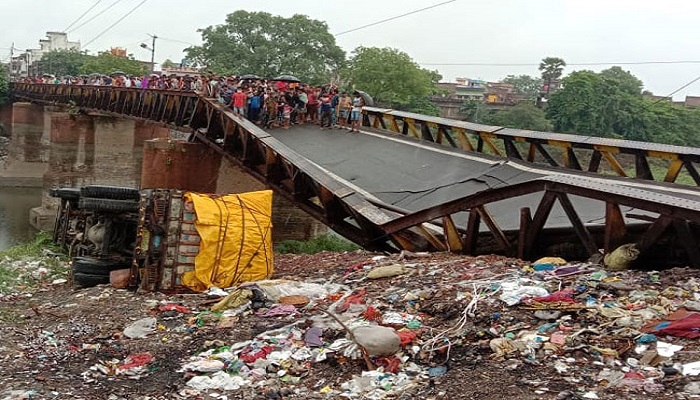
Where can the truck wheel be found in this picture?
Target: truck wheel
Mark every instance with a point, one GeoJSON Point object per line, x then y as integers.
{"type": "Point", "coordinates": [95, 266]}
{"type": "Point", "coordinates": [110, 192]}
{"type": "Point", "coordinates": [88, 280]}
{"type": "Point", "coordinates": [89, 203]}
{"type": "Point", "coordinates": [65, 193]}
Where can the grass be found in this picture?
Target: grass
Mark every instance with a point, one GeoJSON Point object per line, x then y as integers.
{"type": "Point", "coordinates": [321, 243]}
{"type": "Point", "coordinates": [25, 266]}
{"type": "Point", "coordinates": [42, 241]}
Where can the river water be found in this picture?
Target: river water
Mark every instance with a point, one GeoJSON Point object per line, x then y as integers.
{"type": "Point", "coordinates": [15, 204]}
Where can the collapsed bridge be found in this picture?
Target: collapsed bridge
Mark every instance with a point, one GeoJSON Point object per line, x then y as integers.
{"type": "Point", "coordinates": [416, 182]}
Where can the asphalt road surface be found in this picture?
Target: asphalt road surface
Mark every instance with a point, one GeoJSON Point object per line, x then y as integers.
{"type": "Point", "coordinates": [414, 175]}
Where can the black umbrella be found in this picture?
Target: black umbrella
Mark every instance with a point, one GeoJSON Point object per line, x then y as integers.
{"type": "Point", "coordinates": [117, 73]}
{"type": "Point", "coordinates": [249, 77]}
{"type": "Point", "coordinates": [287, 78]}
{"type": "Point", "coordinates": [369, 101]}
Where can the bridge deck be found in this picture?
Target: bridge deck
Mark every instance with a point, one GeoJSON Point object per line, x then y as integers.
{"type": "Point", "coordinates": [413, 176]}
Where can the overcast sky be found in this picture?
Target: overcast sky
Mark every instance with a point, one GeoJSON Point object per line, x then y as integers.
{"type": "Point", "coordinates": [463, 31]}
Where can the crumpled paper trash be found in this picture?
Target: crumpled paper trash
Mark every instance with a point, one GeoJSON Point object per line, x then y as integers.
{"type": "Point", "coordinates": [141, 328]}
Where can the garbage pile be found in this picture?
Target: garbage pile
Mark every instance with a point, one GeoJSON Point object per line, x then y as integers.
{"type": "Point", "coordinates": [368, 326]}
{"type": "Point", "coordinates": [23, 273]}
{"type": "Point", "coordinates": [400, 318]}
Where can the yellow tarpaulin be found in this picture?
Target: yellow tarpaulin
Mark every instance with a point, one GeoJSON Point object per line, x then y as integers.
{"type": "Point", "coordinates": [236, 245]}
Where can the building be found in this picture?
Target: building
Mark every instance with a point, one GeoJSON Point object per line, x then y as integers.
{"type": "Point", "coordinates": [118, 52]}
{"type": "Point", "coordinates": [692, 101]}
{"type": "Point", "coordinates": [26, 64]}
{"type": "Point", "coordinates": [453, 96]}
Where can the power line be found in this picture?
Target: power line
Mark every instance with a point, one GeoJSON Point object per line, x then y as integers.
{"type": "Point", "coordinates": [82, 15]}
{"type": "Point", "coordinates": [393, 18]}
{"type": "Point", "coordinates": [670, 95]}
{"type": "Point", "coordinates": [567, 64]}
{"type": "Point", "coordinates": [177, 41]}
{"type": "Point", "coordinates": [115, 23]}
{"type": "Point", "coordinates": [96, 15]}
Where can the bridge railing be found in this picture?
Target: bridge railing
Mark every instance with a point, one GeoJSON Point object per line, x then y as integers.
{"type": "Point", "coordinates": [651, 161]}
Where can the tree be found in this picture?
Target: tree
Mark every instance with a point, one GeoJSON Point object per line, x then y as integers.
{"type": "Point", "coordinates": [586, 104]}
{"type": "Point", "coordinates": [552, 68]}
{"type": "Point", "coordinates": [62, 62]}
{"type": "Point", "coordinates": [390, 76]}
{"type": "Point", "coordinates": [106, 63]}
{"type": "Point", "coordinates": [4, 87]}
{"type": "Point", "coordinates": [600, 105]}
{"type": "Point", "coordinates": [521, 116]}
{"type": "Point", "coordinates": [421, 105]}
{"type": "Point", "coordinates": [525, 85]}
{"type": "Point", "coordinates": [263, 44]}
{"type": "Point", "coordinates": [627, 82]}
{"type": "Point", "coordinates": [168, 63]}
{"type": "Point", "coordinates": [473, 111]}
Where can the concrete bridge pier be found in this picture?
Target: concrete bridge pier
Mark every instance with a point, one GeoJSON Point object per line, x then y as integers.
{"type": "Point", "coordinates": [25, 161]}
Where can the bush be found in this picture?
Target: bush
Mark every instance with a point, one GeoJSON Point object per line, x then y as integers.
{"type": "Point", "coordinates": [327, 242]}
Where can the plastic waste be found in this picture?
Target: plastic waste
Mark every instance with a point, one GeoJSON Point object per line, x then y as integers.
{"type": "Point", "coordinates": [312, 337]}
{"type": "Point", "coordinates": [564, 295]}
{"type": "Point", "coordinates": [136, 360]}
{"type": "Point", "coordinates": [141, 328]}
{"type": "Point", "coordinates": [378, 340]}
{"type": "Point", "coordinates": [622, 257]}
{"type": "Point", "coordinates": [279, 310]}
{"type": "Point", "coordinates": [646, 338]}
{"type": "Point", "coordinates": [667, 349]}
{"type": "Point", "coordinates": [437, 371]}
{"type": "Point", "coordinates": [235, 299]}
{"type": "Point", "coordinates": [685, 327]}
{"type": "Point", "coordinates": [204, 366]}
{"type": "Point", "coordinates": [173, 307]}
{"type": "Point", "coordinates": [387, 271]}
{"type": "Point", "coordinates": [513, 292]}
{"type": "Point", "coordinates": [692, 368]}
{"type": "Point", "coordinates": [218, 381]}
{"type": "Point", "coordinates": [550, 260]}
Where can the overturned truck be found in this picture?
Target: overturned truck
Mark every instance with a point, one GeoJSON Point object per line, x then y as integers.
{"type": "Point", "coordinates": [165, 239]}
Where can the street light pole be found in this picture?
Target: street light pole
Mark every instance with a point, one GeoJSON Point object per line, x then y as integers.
{"type": "Point", "coordinates": [153, 51]}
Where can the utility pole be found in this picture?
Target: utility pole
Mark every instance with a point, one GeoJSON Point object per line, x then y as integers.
{"type": "Point", "coordinates": [153, 51]}
{"type": "Point", "coordinates": [9, 65]}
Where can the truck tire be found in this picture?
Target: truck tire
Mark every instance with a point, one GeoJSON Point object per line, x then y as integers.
{"type": "Point", "coordinates": [96, 266]}
{"type": "Point", "coordinates": [110, 192]}
{"type": "Point", "coordinates": [65, 193]}
{"type": "Point", "coordinates": [88, 280]}
{"type": "Point", "coordinates": [89, 203]}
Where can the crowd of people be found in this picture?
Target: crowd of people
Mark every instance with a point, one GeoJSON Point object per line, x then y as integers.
{"type": "Point", "coordinates": [269, 103]}
{"type": "Point", "coordinates": [281, 104]}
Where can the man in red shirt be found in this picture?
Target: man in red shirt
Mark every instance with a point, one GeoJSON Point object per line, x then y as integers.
{"type": "Point", "coordinates": [239, 100]}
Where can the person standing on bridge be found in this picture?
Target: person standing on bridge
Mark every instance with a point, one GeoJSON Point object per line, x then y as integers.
{"type": "Point", "coordinates": [326, 111]}
{"type": "Point", "coordinates": [344, 107]}
{"type": "Point", "coordinates": [239, 102]}
{"type": "Point", "coordinates": [355, 114]}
